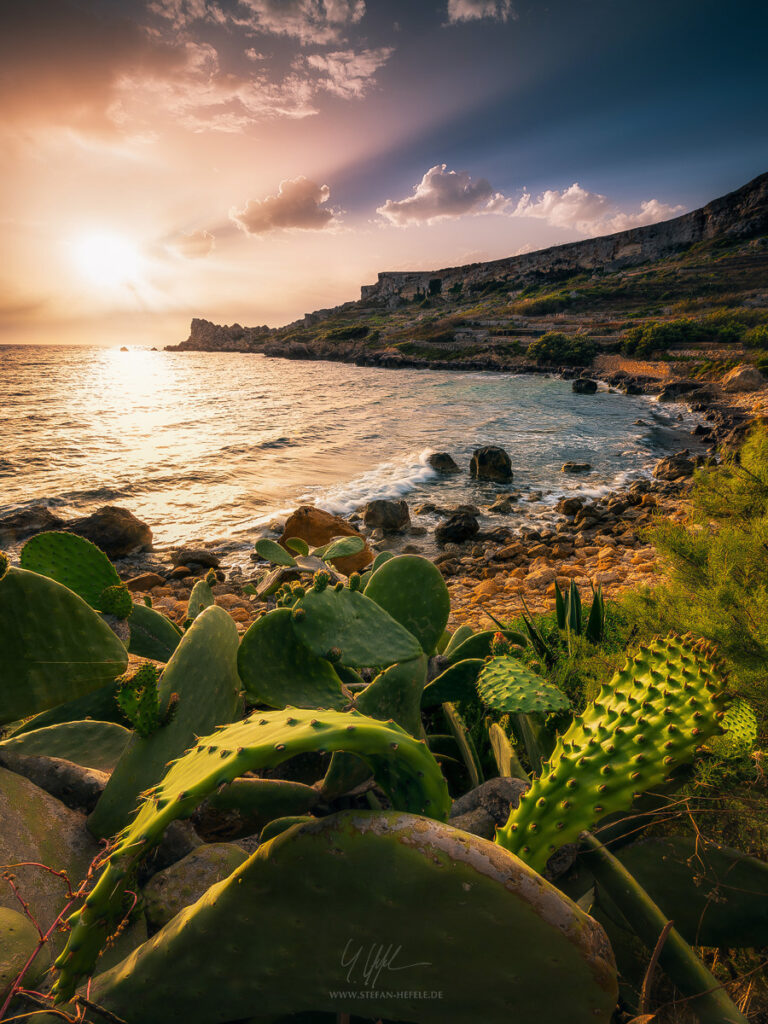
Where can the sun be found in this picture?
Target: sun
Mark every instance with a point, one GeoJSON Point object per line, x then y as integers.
{"type": "Point", "coordinates": [106, 259]}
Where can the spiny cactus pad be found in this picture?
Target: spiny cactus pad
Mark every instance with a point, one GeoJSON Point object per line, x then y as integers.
{"type": "Point", "coordinates": [404, 767]}
{"type": "Point", "coordinates": [72, 561]}
{"type": "Point", "coordinates": [203, 675]}
{"type": "Point", "coordinates": [90, 744]}
{"type": "Point", "coordinates": [361, 881]}
{"type": "Point", "coordinates": [53, 646]}
{"type": "Point", "coordinates": [116, 600]}
{"type": "Point", "coordinates": [479, 645]}
{"type": "Point", "coordinates": [413, 591]}
{"type": "Point", "coordinates": [650, 718]}
{"type": "Point", "coordinates": [506, 684]}
{"type": "Point", "coordinates": [396, 693]}
{"type": "Point", "coordinates": [348, 627]}
{"type": "Point", "coordinates": [200, 598]}
{"type": "Point", "coordinates": [278, 670]}
{"type": "Point", "coordinates": [740, 724]}
{"type": "Point", "coordinates": [152, 634]}
{"type": "Point", "coordinates": [137, 699]}
{"type": "Point", "coordinates": [457, 683]}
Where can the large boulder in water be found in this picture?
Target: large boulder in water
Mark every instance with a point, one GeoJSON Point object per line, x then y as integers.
{"type": "Point", "coordinates": [459, 527]}
{"type": "Point", "coordinates": [491, 463]}
{"type": "Point", "coordinates": [443, 463]}
{"type": "Point", "coordinates": [26, 522]}
{"type": "Point", "coordinates": [316, 526]}
{"type": "Point", "coordinates": [389, 516]}
{"type": "Point", "coordinates": [584, 386]}
{"type": "Point", "coordinates": [115, 530]}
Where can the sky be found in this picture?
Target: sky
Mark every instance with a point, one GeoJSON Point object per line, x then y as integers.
{"type": "Point", "coordinates": [252, 160]}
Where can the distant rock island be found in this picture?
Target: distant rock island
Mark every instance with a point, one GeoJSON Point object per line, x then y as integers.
{"type": "Point", "coordinates": [492, 315]}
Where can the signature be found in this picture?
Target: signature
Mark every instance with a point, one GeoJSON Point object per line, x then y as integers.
{"type": "Point", "coordinates": [377, 959]}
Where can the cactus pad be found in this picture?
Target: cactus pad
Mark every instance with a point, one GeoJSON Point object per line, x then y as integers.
{"type": "Point", "coordinates": [362, 881]}
{"type": "Point", "coordinates": [457, 683]}
{"type": "Point", "coordinates": [650, 718]}
{"type": "Point", "coordinates": [479, 644]}
{"type": "Point", "coordinates": [200, 598]}
{"type": "Point", "coordinates": [404, 767]}
{"type": "Point", "coordinates": [152, 634]}
{"type": "Point", "coordinates": [740, 724]}
{"type": "Point", "coordinates": [352, 629]}
{"type": "Point", "coordinates": [413, 591]}
{"type": "Point", "coordinates": [277, 670]}
{"type": "Point", "coordinates": [72, 561]}
{"type": "Point", "coordinates": [116, 600]}
{"type": "Point", "coordinates": [506, 685]}
{"type": "Point", "coordinates": [90, 744]}
{"type": "Point", "coordinates": [395, 694]}
{"type": "Point", "coordinates": [53, 646]}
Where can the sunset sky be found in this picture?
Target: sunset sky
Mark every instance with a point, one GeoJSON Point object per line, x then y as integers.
{"type": "Point", "coordinates": [251, 160]}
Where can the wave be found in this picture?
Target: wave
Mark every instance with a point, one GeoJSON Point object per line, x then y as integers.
{"type": "Point", "coordinates": [388, 480]}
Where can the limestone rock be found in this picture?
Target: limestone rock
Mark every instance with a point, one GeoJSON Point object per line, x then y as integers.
{"type": "Point", "coordinates": [504, 505]}
{"type": "Point", "coordinates": [196, 556]}
{"type": "Point", "coordinates": [584, 386]}
{"type": "Point", "coordinates": [146, 581]}
{"type": "Point", "coordinates": [743, 378]}
{"type": "Point", "coordinates": [389, 516]}
{"type": "Point", "coordinates": [457, 528]}
{"type": "Point", "coordinates": [19, 525]}
{"type": "Point", "coordinates": [18, 939]}
{"type": "Point", "coordinates": [491, 463]}
{"type": "Point", "coordinates": [316, 527]}
{"type": "Point", "coordinates": [183, 883]}
{"type": "Point", "coordinates": [674, 467]}
{"type": "Point", "coordinates": [443, 463]}
{"type": "Point", "coordinates": [115, 530]}
{"type": "Point", "coordinates": [576, 467]}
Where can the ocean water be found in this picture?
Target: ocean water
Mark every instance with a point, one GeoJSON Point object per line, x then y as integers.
{"type": "Point", "coordinates": [210, 446]}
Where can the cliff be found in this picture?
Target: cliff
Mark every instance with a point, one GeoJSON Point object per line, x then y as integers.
{"type": "Point", "coordinates": [205, 336]}
{"type": "Point", "coordinates": [739, 215]}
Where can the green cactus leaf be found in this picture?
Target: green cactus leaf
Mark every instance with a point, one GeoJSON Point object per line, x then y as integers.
{"type": "Point", "coordinates": [462, 633]}
{"type": "Point", "coordinates": [479, 644]}
{"type": "Point", "coordinates": [200, 598]}
{"type": "Point", "coordinates": [278, 670]}
{"type": "Point", "coordinates": [396, 694]}
{"type": "Point", "coordinates": [90, 744]}
{"type": "Point", "coordinates": [362, 881]}
{"type": "Point", "coordinates": [72, 561]}
{"type": "Point", "coordinates": [457, 683]}
{"type": "Point", "coordinates": [273, 552]}
{"type": "Point", "coordinates": [380, 559]}
{"type": "Point", "coordinates": [203, 675]}
{"type": "Point", "coordinates": [53, 646]}
{"type": "Point", "coordinates": [403, 766]}
{"type": "Point", "coordinates": [116, 600]}
{"type": "Point", "coordinates": [414, 593]}
{"type": "Point", "coordinates": [298, 545]}
{"type": "Point", "coordinates": [507, 685]}
{"type": "Point", "coordinates": [257, 801]}
{"type": "Point", "coordinates": [340, 547]}
{"type": "Point", "coordinates": [153, 635]}
{"type": "Point", "coordinates": [349, 623]}
{"type": "Point", "coordinates": [740, 724]}
{"type": "Point", "coordinates": [280, 825]}
{"type": "Point", "coordinates": [650, 718]}
{"type": "Point", "coordinates": [100, 706]}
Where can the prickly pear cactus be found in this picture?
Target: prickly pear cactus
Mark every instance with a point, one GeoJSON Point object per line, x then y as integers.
{"type": "Point", "coordinates": [413, 591]}
{"type": "Point", "coordinates": [395, 694]}
{"type": "Point", "coordinates": [478, 645]}
{"type": "Point", "coordinates": [506, 685]}
{"type": "Point", "coordinates": [116, 600]}
{"type": "Point", "coordinates": [278, 670]}
{"type": "Point", "coordinates": [362, 881]}
{"type": "Point", "coordinates": [200, 598]}
{"type": "Point", "coordinates": [347, 627]}
{"type": "Point", "coordinates": [138, 700]}
{"type": "Point", "coordinates": [740, 725]}
{"type": "Point", "coordinates": [202, 674]}
{"type": "Point", "coordinates": [152, 634]}
{"type": "Point", "coordinates": [90, 744]}
{"type": "Point", "coordinates": [404, 767]}
{"type": "Point", "coordinates": [650, 718]}
{"type": "Point", "coordinates": [457, 683]}
{"type": "Point", "coordinates": [72, 561]}
{"type": "Point", "coordinates": [53, 646]}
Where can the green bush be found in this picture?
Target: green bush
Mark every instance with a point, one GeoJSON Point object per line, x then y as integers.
{"type": "Point", "coordinates": [557, 349]}
{"type": "Point", "coordinates": [646, 339]}
{"type": "Point", "coordinates": [757, 337]}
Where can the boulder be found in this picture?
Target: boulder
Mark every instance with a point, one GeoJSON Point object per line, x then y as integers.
{"type": "Point", "coordinates": [115, 530]}
{"type": "Point", "coordinates": [19, 525]}
{"type": "Point", "coordinates": [504, 504]}
{"type": "Point", "coordinates": [389, 516]}
{"type": "Point", "coordinates": [195, 556]}
{"type": "Point", "coordinates": [36, 827]}
{"type": "Point", "coordinates": [487, 806]}
{"type": "Point", "coordinates": [443, 463]}
{"type": "Point", "coordinates": [491, 463]}
{"type": "Point", "coordinates": [457, 528]}
{"type": "Point", "coordinates": [743, 378]}
{"type": "Point", "coordinates": [584, 386]}
{"type": "Point", "coordinates": [77, 787]}
{"type": "Point", "coordinates": [316, 527]}
{"type": "Point", "coordinates": [146, 581]}
{"type": "Point", "coordinates": [674, 467]}
{"type": "Point", "coordinates": [576, 467]}
{"type": "Point", "coordinates": [569, 506]}
{"type": "Point", "coordinates": [184, 882]}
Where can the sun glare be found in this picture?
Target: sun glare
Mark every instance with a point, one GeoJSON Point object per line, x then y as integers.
{"type": "Point", "coordinates": [105, 259]}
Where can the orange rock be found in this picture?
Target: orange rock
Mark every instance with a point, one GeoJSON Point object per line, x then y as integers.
{"type": "Point", "coordinates": [317, 527]}
{"type": "Point", "coordinates": [147, 581]}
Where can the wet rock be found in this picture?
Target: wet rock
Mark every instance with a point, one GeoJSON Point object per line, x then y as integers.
{"type": "Point", "coordinates": [674, 467]}
{"type": "Point", "coordinates": [17, 526]}
{"type": "Point", "coordinates": [443, 463]}
{"type": "Point", "coordinates": [457, 528]}
{"type": "Point", "coordinates": [490, 463]}
{"type": "Point", "coordinates": [576, 467]}
{"type": "Point", "coordinates": [569, 506]}
{"type": "Point", "coordinates": [182, 884]}
{"type": "Point", "coordinates": [584, 386]}
{"type": "Point", "coordinates": [495, 797]}
{"type": "Point", "coordinates": [504, 505]}
{"type": "Point", "coordinates": [675, 388]}
{"type": "Point", "coordinates": [743, 378]}
{"type": "Point", "coordinates": [196, 556]}
{"type": "Point", "coordinates": [115, 530]}
{"type": "Point", "coordinates": [146, 581]}
{"type": "Point", "coordinates": [316, 527]}
{"type": "Point", "coordinates": [389, 516]}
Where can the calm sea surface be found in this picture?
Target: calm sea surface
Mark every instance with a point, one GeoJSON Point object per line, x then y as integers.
{"type": "Point", "coordinates": [207, 446]}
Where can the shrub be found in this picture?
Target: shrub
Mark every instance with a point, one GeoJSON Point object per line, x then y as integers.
{"type": "Point", "coordinates": [757, 337]}
{"type": "Point", "coordinates": [558, 349]}
{"type": "Point", "coordinates": [348, 333]}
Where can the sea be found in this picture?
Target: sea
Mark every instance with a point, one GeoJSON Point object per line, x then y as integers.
{"type": "Point", "coordinates": [212, 447]}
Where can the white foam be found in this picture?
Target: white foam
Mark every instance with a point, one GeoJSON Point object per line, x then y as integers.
{"type": "Point", "coordinates": [387, 480]}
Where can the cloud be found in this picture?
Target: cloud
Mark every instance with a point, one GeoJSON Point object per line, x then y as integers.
{"type": "Point", "coordinates": [299, 203]}
{"type": "Point", "coordinates": [442, 193]}
{"type": "Point", "coordinates": [589, 212]}
{"type": "Point", "coordinates": [473, 10]}
{"type": "Point", "coordinates": [194, 245]}
{"type": "Point", "coordinates": [311, 22]}
{"type": "Point", "coordinates": [346, 73]}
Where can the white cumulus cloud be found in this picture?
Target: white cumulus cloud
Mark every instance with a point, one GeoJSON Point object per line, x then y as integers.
{"type": "Point", "coordinates": [590, 213]}
{"type": "Point", "coordinates": [299, 203]}
{"type": "Point", "coordinates": [442, 193]}
{"type": "Point", "coordinates": [347, 73]}
{"type": "Point", "coordinates": [473, 10]}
